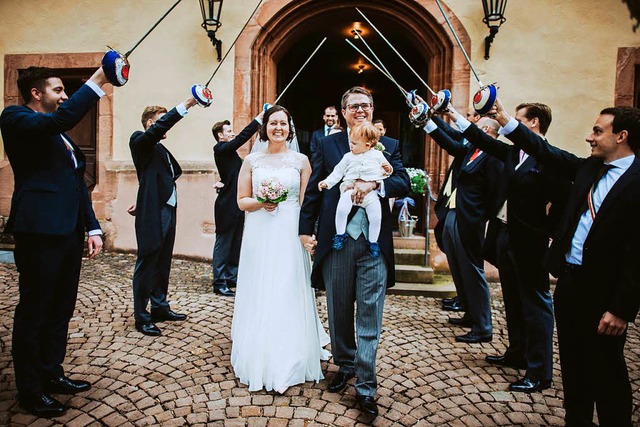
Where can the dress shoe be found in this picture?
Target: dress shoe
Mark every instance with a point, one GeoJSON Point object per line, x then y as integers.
{"type": "Point", "coordinates": [41, 405]}
{"type": "Point", "coordinates": [504, 360]}
{"type": "Point", "coordinates": [339, 382]}
{"type": "Point", "coordinates": [168, 314]}
{"type": "Point", "coordinates": [453, 307]}
{"type": "Point", "coordinates": [148, 329]}
{"type": "Point", "coordinates": [223, 290]}
{"type": "Point", "coordinates": [449, 301]}
{"type": "Point", "coordinates": [472, 338]}
{"type": "Point", "coordinates": [529, 385]}
{"type": "Point", "coordinates": [463, 321]}
{"type": "Point", "coordinates": [231, 285]}
{"type": "Point", "coordinates": [367, 405]}
{"type": "Point", "coordinates": [64, 385]}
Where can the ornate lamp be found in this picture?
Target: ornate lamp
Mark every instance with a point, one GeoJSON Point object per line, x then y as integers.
{"type": "Point", "coordinates": [211, 10]}
{"type": "Point", "coordinates": [493, 17]}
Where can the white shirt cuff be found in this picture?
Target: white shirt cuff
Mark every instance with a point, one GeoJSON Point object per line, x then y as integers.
{"type": "Point", "coordinates": [511, 125]}
{"type": "Point", "coordinates": [182, 110]}
{"type": "Point", "coordinates": [96, 232]}
{"type": "Point", "coordinates": [430, 126]}
{"type": "Point", "coordinates": [381, 191]}
{"type": "Point", "coordinates": [257, 119]}
{"type": "Point", "coordinates": [95, 88]}
{"type": "Point", "coordinates": [462, 123]}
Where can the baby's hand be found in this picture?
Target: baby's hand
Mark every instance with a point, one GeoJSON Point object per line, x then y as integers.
{"type": "Point", "coordinates": [322, 185]}
{"type": "Point", "coordinates": [386, 167]}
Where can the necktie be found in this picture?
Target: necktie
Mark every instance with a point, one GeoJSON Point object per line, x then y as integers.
{"type": "Point", "coordinates": [475, 155]}
{"type": "Point", "coordinates": [326, 130]}
{"type": "Point", "coordinates": [596, 180]}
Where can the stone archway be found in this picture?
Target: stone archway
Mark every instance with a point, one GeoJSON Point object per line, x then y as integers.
{"type": "Point", "coordinates": [279, 23]}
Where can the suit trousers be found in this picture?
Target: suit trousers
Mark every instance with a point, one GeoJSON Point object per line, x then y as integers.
{"type": "Point", "coordinates": [49, 271]}
{"type": "Point", "coordinates": [473, 287]}
{"type": "Point", "coordinates": [353, 277]}
{"type": "Point", "coordinates": [593, 365]}
{"type": "Point", "coordinates": [226, 253]}
{"type": "Point", "coordinates": [151, 273]}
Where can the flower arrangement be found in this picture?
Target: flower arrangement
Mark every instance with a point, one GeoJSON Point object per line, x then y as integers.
{"type": "Point", "coordinates": [418, 180]}
{"type": "Point", "coordinates": [271, 191]}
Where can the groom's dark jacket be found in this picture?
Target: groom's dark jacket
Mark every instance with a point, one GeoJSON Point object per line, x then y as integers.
{"type": "Point", "coordinates": [322, 205]}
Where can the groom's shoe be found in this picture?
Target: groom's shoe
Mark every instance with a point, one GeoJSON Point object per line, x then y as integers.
{"type": "Point", "coordinates": [338, 241]}
{"type": "Point", "coordinates": [223, 290]}
{"type": "Point", "coordinates": [167, 315]}
{"type": "Point", "coordinates": [148, 329]}
{"type": "Point", "coordinates": [339, 382]}
{"type": "Point", "coordinates": [367, 405]}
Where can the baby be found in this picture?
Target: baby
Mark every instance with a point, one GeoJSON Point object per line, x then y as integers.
{"type": "Point", "coordinates": [366, 163]}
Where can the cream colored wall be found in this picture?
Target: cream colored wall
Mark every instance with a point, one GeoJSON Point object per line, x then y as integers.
{"type": "Point", "coordinates": [559, 53]}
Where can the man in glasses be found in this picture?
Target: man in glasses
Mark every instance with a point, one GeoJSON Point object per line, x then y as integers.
{"type": "Point", "coordinates": [351, 275]}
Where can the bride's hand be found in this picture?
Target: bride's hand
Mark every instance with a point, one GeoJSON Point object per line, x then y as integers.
{"type": "Point", "coordinates": [269, 207]}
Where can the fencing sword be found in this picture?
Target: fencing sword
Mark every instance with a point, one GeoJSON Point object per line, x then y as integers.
{"type": "Point", "coordinates": [201, 93]}
{"type": "Point", "coordinates": [419, 108]}
{"type": "Point", "coordinates": [116, 65]}
{"type": "Point", "coordinates": [266, 106]}
{"type": "Point", "coordinates": [486, 96]}
{"type": "Point", "coordinates": [439, 101]}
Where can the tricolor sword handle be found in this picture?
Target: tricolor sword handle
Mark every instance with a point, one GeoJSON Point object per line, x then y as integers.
{"type": "Point", "coordinates": [202, 95]}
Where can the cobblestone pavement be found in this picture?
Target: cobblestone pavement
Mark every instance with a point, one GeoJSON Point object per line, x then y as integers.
{"type": "Point", "coordinates": [184, 377]}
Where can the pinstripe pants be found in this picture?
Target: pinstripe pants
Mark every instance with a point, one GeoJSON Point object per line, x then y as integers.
{"type": "Point", "coordinates": [355, 280]}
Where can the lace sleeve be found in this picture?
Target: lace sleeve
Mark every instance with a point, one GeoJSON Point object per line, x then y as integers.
{"type": "Point", "coordinates": [252, 158]}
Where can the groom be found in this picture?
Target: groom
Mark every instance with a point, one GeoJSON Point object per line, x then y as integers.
{"type": "Point", "coordinates": [351, 276]}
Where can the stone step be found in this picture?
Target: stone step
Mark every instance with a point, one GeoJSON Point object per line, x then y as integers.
{"type": "Point", "coordinates": [413, 242]}
{"type": "Point", "coordinates": [440, 289]}
{"type": "Point", "coordinates": [414, 273]}
{"type": "Point", "coordinates": [409, 256]}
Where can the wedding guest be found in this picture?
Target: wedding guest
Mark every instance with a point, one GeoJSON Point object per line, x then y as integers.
{"type": "Point", "coordinates": [50, 212]}
{"type": "Point", "coordinates": [155, 213]}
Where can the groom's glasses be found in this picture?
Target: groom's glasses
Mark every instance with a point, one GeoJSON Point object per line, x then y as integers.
{"type": "Point", "coordinates": [366, 106]}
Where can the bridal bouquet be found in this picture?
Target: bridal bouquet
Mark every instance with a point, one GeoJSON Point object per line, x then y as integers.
{"type": "Point", "coordinates": [271, 191]}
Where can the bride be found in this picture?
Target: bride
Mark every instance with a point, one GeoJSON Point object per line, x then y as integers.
{"type": "Point", "coordinates": [277, 337]}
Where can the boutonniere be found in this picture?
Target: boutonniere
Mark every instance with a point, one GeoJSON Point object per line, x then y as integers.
{"type": "Point", "coordinates": [380, 147]}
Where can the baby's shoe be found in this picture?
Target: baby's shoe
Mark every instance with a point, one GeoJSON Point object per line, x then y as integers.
{"type": "Point", "coordinates": [374, 249]}
{"type": "Point", "coordinates": [338, 241]}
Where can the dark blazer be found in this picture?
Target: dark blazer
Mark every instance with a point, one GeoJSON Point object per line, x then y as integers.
{"type": "Point", "coordinates": [528, 189]}
{"type": "Point", "coordinates": [155, 180]}
{"type": "Point", "coordinates": [611, 251]}
{"type": "Point", "coordinates": [226, 211]}
{"type": "Point", "coordinates": [476, 192]}
{"type": "Point", "coordinates": [322, 205]}
{"type": "Point", "coordinates": [50, 196]}
{"type": "Point", "coordinates": [315, 140]}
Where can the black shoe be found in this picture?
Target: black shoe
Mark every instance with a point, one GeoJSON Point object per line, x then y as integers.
{"type": "Point", "coordinates": [231, 285]}
{"type": "Point", "coordinates": [339, 382]}
{"type": "Point", "coordinates": [529, 385]}
{"type": "Point", "coordinates": [504, 360]}
{"type": "Point", "coordinates": [367, 405]}
{"type": "Point", "coordinates": [453, 307]}
{"type": "Point", "coordinates": [64, 385]}
{"type": "Point", "coordinates": [168, 314]}
{"type": "Point", "coordinates": [223, 290]}
{"type": "Point", "coordinates": [463, 321]}
{"type": "Point", "coordinates": [472, 338]}
{"type": "Point", "coordinates": [41, 405]}
{"type": "Point", "coordinates": [449, 301]}
{"type": "Point", "coordinates": [148, 329]}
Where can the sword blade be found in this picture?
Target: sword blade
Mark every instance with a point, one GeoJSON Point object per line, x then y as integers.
{"type": "Point", "coordinates": [299, 71]}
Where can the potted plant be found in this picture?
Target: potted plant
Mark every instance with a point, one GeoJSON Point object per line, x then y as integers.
{"type": "Point", "coordinates": [418, 182]}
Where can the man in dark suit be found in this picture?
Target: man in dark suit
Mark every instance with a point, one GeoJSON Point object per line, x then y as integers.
{"type": "Point", "coordinates": [351, 275]}
{"type": "Point", "coordinates": [228, 217]}
{"type": "Point", "coordinates": [155, 214]}
{"type": "Point", "coordinates": [50, 211]}
{"type": "Point", "coordinates": [470, 206]}
{"type": "Point", "coordinates": [330, 119]}
{"type": "Point", "coordinates": [595, 258]}
{"type": "Point", "coordinates": [519, 236]}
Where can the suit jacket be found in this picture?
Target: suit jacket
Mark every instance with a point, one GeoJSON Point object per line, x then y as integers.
{"type": "Point", "coordinates": [226, 211]}
{"type": "Point", "coordinates": [528, 189]}
{"type": "Point", "coordinates": [315, 141]}
{"type": "Point", "coordinates": [611, 251]}
{"type": "Point", "coordinates": [50, 196]}
{"type": "Point", "coordinates": [476, 192]}
{"type": "Point", "coordinates": [155, 180]}
{"type": "Point", "coordinates": [322, 205]}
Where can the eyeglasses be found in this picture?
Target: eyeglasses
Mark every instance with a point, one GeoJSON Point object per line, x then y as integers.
{"type": "Point", "coordinates": [366, 106]}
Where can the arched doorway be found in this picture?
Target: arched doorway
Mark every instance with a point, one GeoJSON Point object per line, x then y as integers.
{"type": "Point", "coordinates": [284, 32]}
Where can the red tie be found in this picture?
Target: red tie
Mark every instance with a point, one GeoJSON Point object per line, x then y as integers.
{"type": "Point", "coordinates": [474, 155]}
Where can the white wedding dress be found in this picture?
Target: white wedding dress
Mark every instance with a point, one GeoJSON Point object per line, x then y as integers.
{"type": "Point", "coordinates": [277, 337]}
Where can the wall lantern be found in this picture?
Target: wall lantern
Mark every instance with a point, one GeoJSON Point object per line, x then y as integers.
{"type": "Point", "coordinates": [493, 17]}
{"type": "Point", "coordinates": [211, 10]}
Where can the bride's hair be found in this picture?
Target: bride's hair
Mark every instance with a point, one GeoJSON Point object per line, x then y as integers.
{"type": "Point", "coordinates": [263, 129]}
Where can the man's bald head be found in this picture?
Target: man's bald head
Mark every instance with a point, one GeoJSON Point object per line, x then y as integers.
{"type": "Point", "coordinates": [489, 126]}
